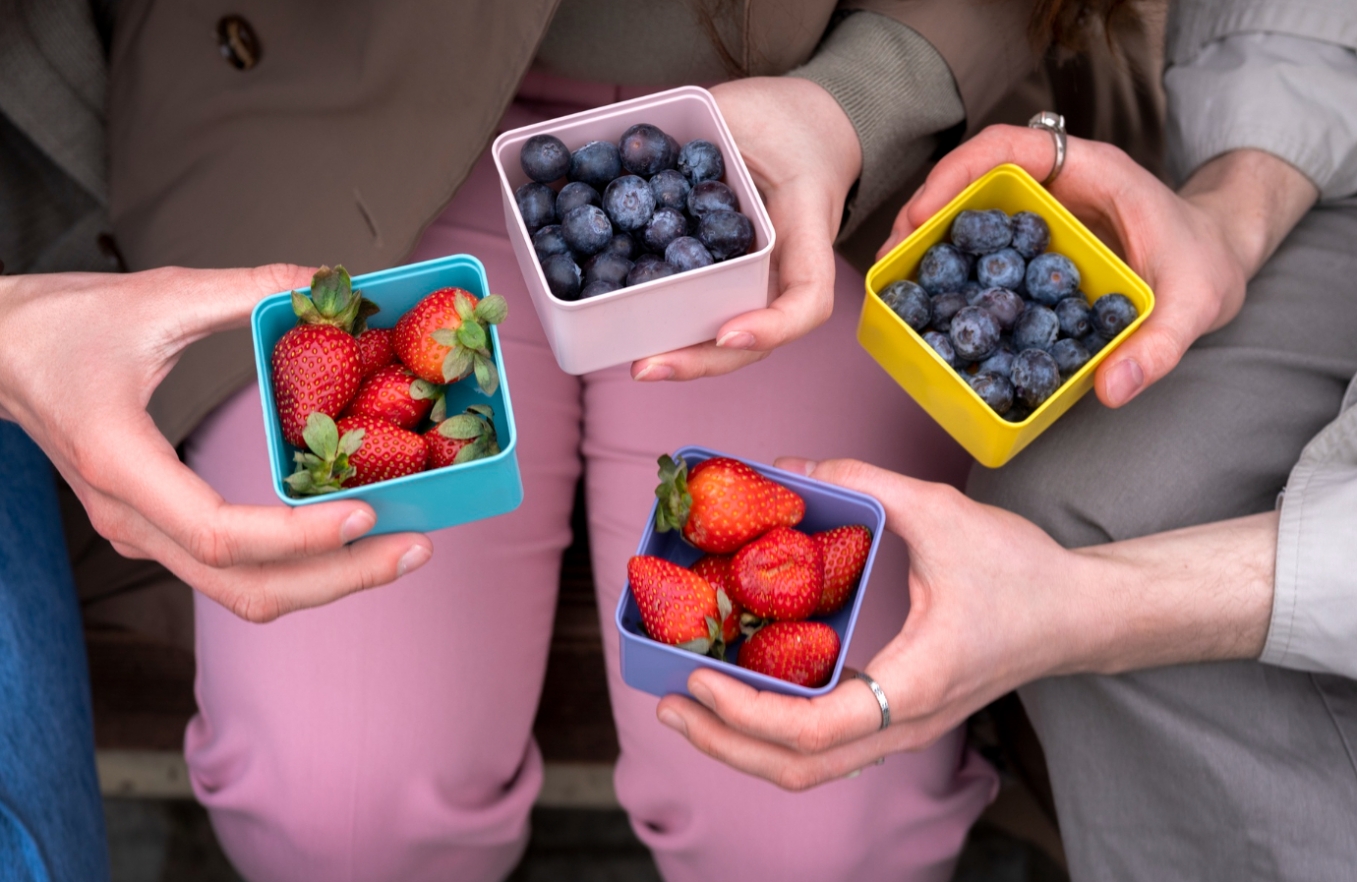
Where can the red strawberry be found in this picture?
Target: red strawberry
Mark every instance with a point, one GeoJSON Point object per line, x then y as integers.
{"type": "Point", "coordinates": [463, 437]}
{"type": "Point", "coordinates": [678, 607]}
{"type": "Point", "coordinates": [444, 337]}
{"type": "Point", "coordinates": [715, 568]}
{"type": "Point", "coordinates": [394, 394]}
{"type": "Point", "coordinates": [375, 350]}
{"type": "Point", "coordinates": [798, 652]}
{"type": "Point", "coordinates": [722, 504]}
{"type": "Point", "coordinates": [387, 451]}
{"type": "Point", "coordinates": [844, 550]}
{"type": "Point", "coordinates": [780, 575]}
{"type": "Point", "coordinates": [315, 365]}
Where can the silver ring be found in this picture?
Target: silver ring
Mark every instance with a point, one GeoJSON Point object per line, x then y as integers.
{"type": "Point", "coordinates": [880, 697]}
{"type": "Point", "coordinates": [1055, 124]}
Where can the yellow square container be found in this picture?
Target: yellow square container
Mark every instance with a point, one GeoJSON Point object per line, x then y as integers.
{"type": "Point", "coordinates": [934, 384]}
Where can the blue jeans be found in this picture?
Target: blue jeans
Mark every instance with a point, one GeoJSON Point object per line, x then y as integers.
{"type": "Point", "coordinates": [51, 816]}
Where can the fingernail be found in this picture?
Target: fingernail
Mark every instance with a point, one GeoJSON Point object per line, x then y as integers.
{"type": "Point", "coordinates": [735, 340]}
{"type": "Point", "coordinates": [702, 694]}
{"type": "Point", "coordinates": [852, 774]}
{"type": "Point", "coordinates": [1124, 381]}
{"type": "Point", "coordinates": [653, 372]}
{"type": "Point", "coordinates": [809, 467]}
{"type": "Point", "coordinates": [412, 560]}
{"type": "Point", "coordinates": [356, 525]}
{"type": "Point", "coordinates": [673, 721]}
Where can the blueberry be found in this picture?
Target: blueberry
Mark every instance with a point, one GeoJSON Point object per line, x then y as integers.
{"type": "Point", "coordinates": [548, 241]}
{"type": "Point", "coordinates": [666, 225]}
{"type": "Point", "coordinates": [1018, 412]}
{"type": "Point", "coordinates": [974, 333]}
{"type": "Point", "coordinates": [544, 158]}
{"type": "Point", "coordinates": [537, 204]}
{"type": "Point", "coordinates": [725, 234]}
{"type": "Point", "coordinates": [608, 268]}
{"type": "Point", "coordinates": [1112, 314]}
{"type": "Point", "coordinates": [944, 307]}
{"type": "Point", "coordinates": [972, 289]}
{"type": "Point", "coordinates": [573, 195]}
{"type": "Point", "coordinates": [942, 346]}
{"type": "Point", "coordinates": [942, 269]}
{"type": "Point", "coordinates": [910, 302]}
{"type": "Point", "coordinates": [629, 203]}
{"type": "Point", "coordinates": [701, 161]}
{"type": "Point", "coordinates": [711, 196]}
{"type": "Point", "coordinates": [1051, 277]}
{"type": "Point", "coordinates": [1069, 355]}
{"type": "Point", "coordinates": [1093, 342]}
{"type": "Point", "coordinates": [587, 229]}
{"type": "Point", "coordinates": [1035, 376]}
{"type": "Point", "coordinates": [1073, 313]}
{"type": "Point", "coordinates": [563, 276]}
{"type": "Point", "coordinates": [671, 189]}
{"type": "Point", "coordinates": [1003, 304]}
{"type": "Point", "coordinates": [644, 150]}
{"type": "Point", "coordinates": [1031, 236]}
{"type": "Point", "coordinates": [993, 389]}
{"type": "Point", "coordinates": [1001, 362]}
{"type": "Point", "coordinates": [648, 267]}
{"type": "Point", "coordinates": [596, 163]}
{"type": "Point", "coordinates": [622, 245]}
{"type": "Point", "coordinates": [1004, 268]}
{"type": "Point", "coordinates": [597, 287]}
{"type": "Point", "coordinates": [686, 253]}
{"type": "Point", "coordinates": [981, 232]}
{"type": "Point", "coordinates": [1036, 328]}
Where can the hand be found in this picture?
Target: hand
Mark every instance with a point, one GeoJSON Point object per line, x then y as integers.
{"type": "Point", "coordinates": [994, 603]}
{"type": "Point", "coordinates": [1196, 249]}
{"type": "Point", "coordinates": [804, 156]}
{"type": "Point", "coordinates": [80, 355]}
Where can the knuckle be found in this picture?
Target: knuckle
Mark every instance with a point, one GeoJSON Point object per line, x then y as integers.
{"type": "Point", "coordinates": [795, 778]}
{"type": "Point", "coordinates": [251, 606]}
{"type": "Point", "coordinates": [212, 546]}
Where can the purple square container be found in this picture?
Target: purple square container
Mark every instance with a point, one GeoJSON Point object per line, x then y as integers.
{"type": "Point", "coordinates": [660, 669]}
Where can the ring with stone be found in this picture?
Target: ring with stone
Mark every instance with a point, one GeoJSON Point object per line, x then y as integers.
{"type": "Point", "coordinates": [1055, 124]}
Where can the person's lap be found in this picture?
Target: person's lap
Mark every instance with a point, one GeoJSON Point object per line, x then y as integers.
{"type": "Point", "coordinates": [1234, 770]}
{"type": "Point", "coordinates": [390, 733]}
{"type": "Point", "coordinates": [51, 816]}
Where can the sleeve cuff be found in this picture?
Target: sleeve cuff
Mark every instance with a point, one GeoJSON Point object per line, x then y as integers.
{"type": "Point", "coordinates": [1314, 606]}
{"type": "Point", "coordinates": [896, 90]}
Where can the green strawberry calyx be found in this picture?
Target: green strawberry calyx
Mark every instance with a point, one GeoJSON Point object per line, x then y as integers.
{"type": "Point", "coordinates": [469, 344]}
{"type": "Point", "coordinates": [675, 500]}
{"type": "Point", "coordinates": [333, 301]}
{"type": "Point", "coordinates": [477, 425]}
{"type": "Point", "coordinates": [714, 644]}
{"type": "Point", "coordinates": [325, 468]}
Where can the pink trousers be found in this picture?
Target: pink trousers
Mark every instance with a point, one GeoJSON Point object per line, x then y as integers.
{"type": "Point", "coordinates": [388, 736]}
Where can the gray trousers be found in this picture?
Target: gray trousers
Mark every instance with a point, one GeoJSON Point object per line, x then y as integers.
{"type": "Point", "coordinates": [1230, 771]}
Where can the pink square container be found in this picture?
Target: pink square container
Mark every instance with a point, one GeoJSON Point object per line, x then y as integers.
{"type": "Point", "coordinates": [668, 313]}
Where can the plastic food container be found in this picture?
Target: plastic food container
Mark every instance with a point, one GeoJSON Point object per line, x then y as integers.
{"type": "Point", "coordinates": [661, 669]}
{"type": "Point", "coordinates": [658, 316]}
{"type": "Point", "coordinates": [428, 500]}
{"type": "Point", "coordinates": [931, 381]}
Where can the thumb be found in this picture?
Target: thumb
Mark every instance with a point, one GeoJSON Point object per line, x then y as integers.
{"type": "Point", "coordinates": [1145, 357]}
{"type": "Point", "coordinates": [910, 504]}
{"type": "Point", "coordinates": [208, 301]}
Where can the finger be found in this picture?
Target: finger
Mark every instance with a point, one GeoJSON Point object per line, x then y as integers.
{"type": "Point", "coordinates": [263, 592]}
{"type": "Point", "coordinates": [847, 713]}
{"type": "Point", "coordinates": [911, 505]}
{"type": "Point", "coordinates": [693, 362]}
{"type": "Point", "coordinates": [208, 301]}
{"type": "Point", "coordinates": [773, 762]}
{"type": "Point", "coordinates": [1147, 355]}
{"type": "Point", "coordinates": [146, 475]}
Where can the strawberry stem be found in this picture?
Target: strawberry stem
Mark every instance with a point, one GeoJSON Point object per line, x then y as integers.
{"type": "Point", "coordinates": [672, 492]}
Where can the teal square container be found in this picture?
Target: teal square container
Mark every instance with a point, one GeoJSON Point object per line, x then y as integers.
{"type": "Point", "coordinates": [428, 500]}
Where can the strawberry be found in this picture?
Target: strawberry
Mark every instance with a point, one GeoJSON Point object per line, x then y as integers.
{"type": "Point", "coordinates": [798, 652]}
{"type": "Point", "coordinates": [374, 349]}
{"type": "Point", "coordinates": [844, 550]}
{"type": "Point", "coordinates": [462, 438]}
{"type": "Point", "coordinates": [715, 568]}
{"type": "Point", "coordinates": [780, 575]}
{"type": "Point", "coordinates": [315, 365]}
{"type": "Point", "coordinates": [387, 451]}
{"type": "Point", "coordinates": [722, 504]}
{"type": "Point", "coordinates": [678, 607]}
{"type": "Point", "coordinates": [394, 394]}
{"type": "Point", "coordinates": [444, 337]}
{"type": "Point", "coordinates": [326, 467]}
